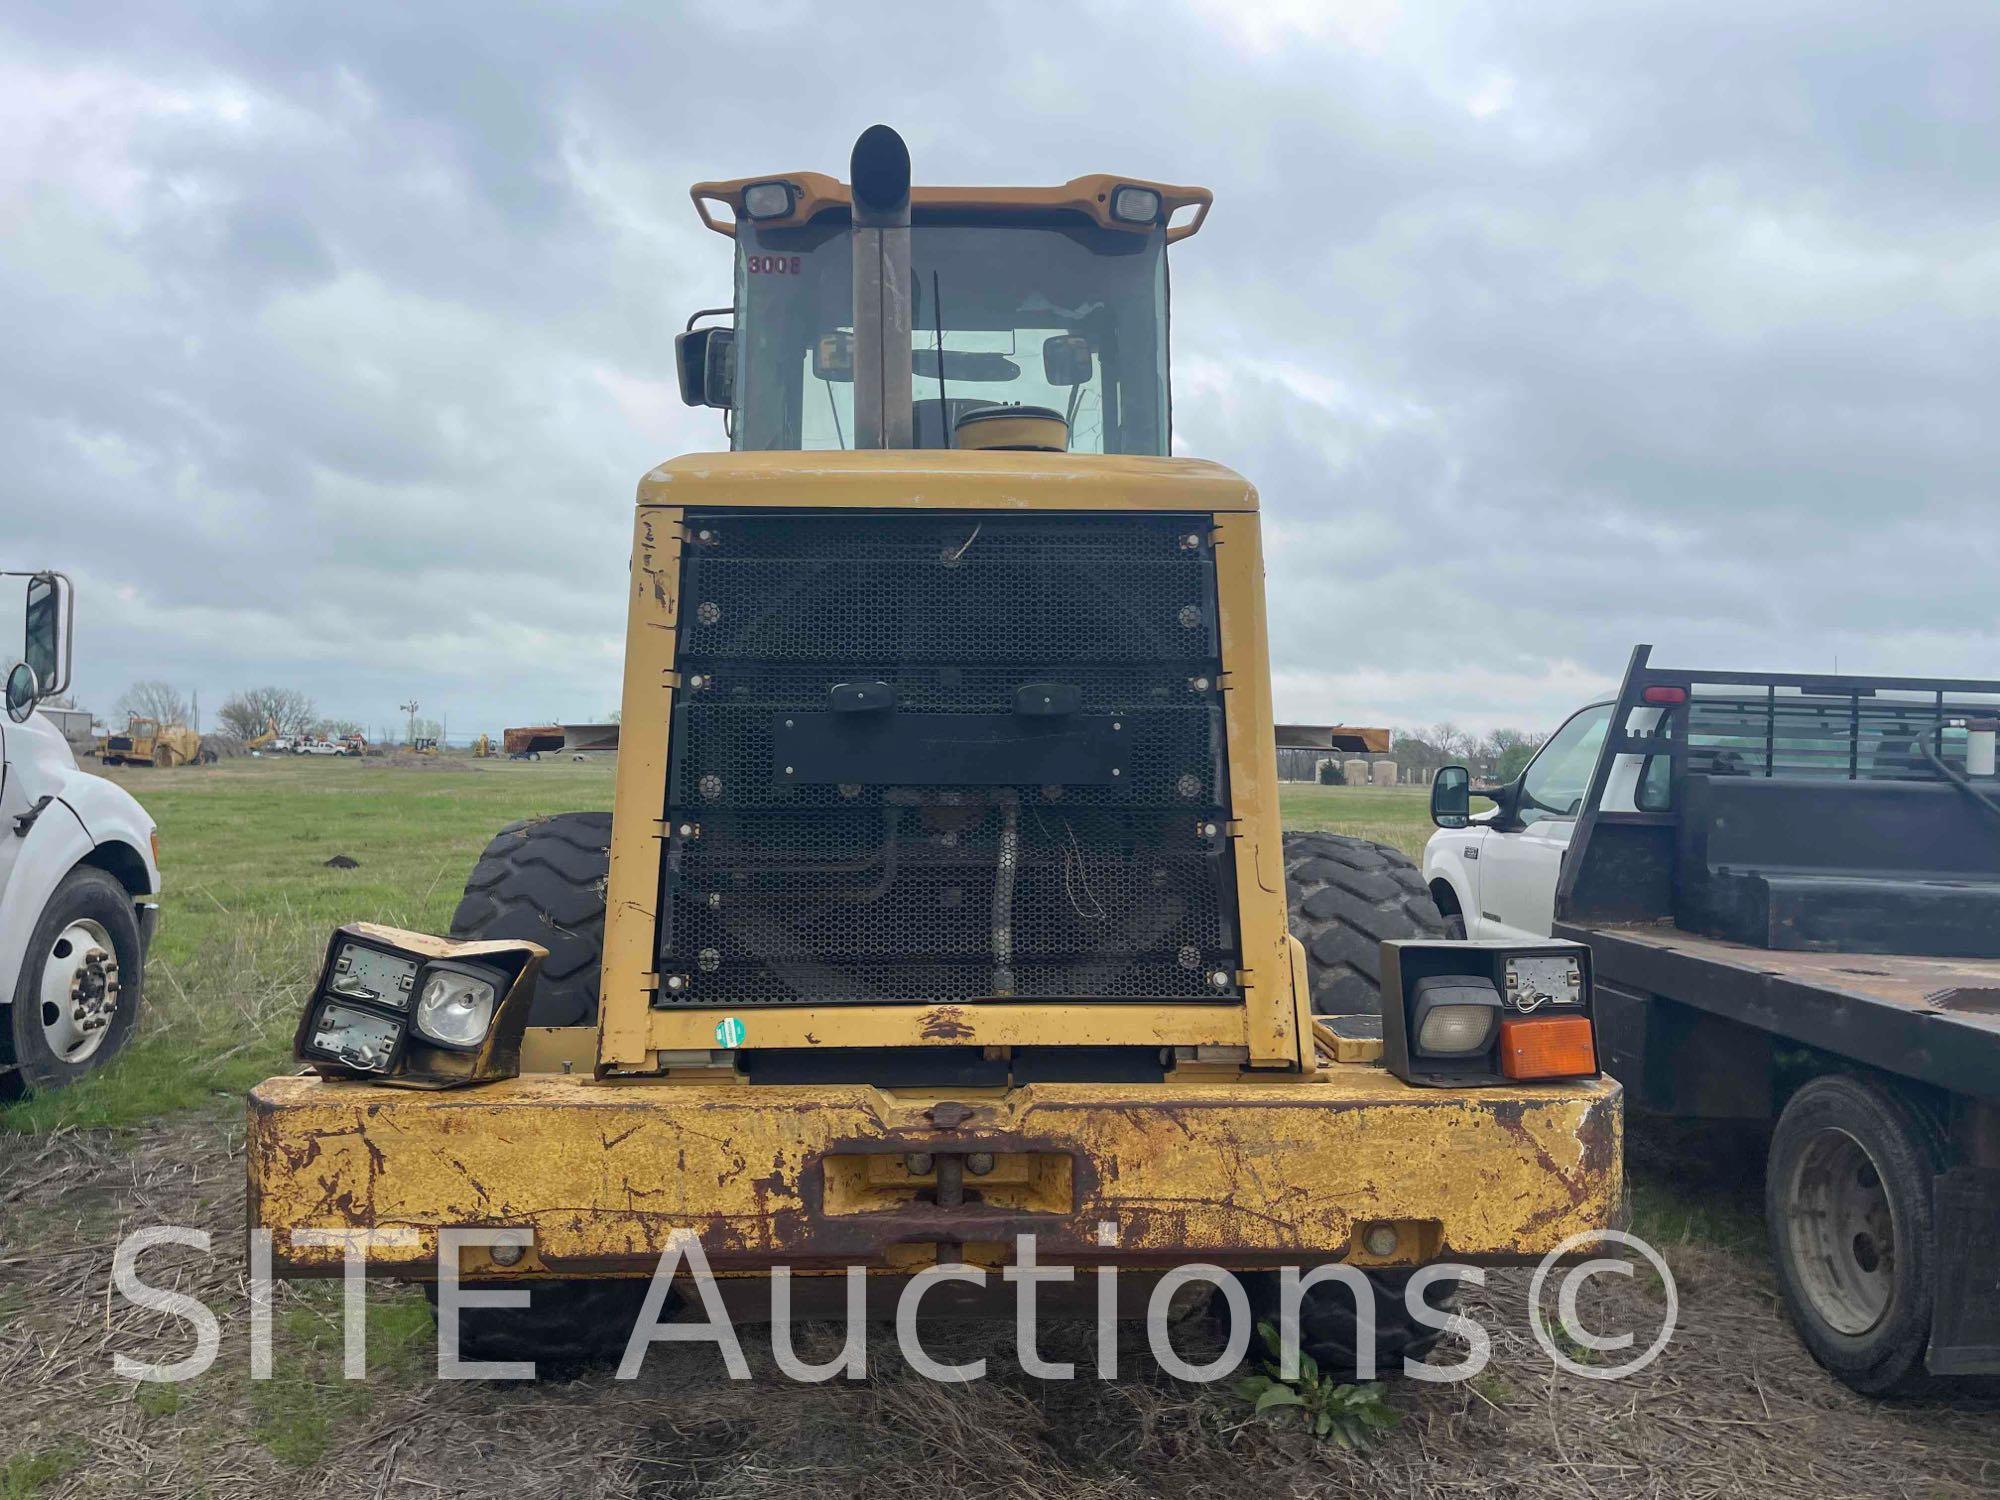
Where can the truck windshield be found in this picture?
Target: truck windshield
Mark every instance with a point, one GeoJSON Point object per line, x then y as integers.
{"type": "Point", "coordinates": [1000, 293]}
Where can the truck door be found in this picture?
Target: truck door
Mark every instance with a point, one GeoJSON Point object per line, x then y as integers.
{"type": "Point", "coordinates": [1518, 866]}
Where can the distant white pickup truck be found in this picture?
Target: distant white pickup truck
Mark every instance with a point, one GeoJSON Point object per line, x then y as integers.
{"type": "Point", "coordinates": [1496, 877]}
{"type": "Point", "coordinates": [320, 747]}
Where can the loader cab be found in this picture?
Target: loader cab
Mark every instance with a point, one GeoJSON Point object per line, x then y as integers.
{"type": "Point", "coordinates": [1051, 298]}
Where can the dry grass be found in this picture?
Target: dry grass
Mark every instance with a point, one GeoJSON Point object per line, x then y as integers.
{"type": "Point", "coordinates": [1733, 1407]}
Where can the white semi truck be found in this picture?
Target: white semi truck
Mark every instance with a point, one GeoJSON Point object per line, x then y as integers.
{"type": "Point", "coordinates": [79, 875]}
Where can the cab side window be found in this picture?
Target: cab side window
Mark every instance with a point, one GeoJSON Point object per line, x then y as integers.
{"type": "Point", "coordinates": [1556, 780]}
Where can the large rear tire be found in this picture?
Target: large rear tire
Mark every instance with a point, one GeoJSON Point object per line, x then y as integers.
{"type": "Point", "coordinates": [542, 880]}
{"type": "Point", "coordinates": [1346, 895]}
{"type": "Point", "coordinates": [565, 1324]}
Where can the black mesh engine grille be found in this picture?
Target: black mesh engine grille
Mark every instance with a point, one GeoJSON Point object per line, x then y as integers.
{"type": "Point", "coordinates": [940, 757]}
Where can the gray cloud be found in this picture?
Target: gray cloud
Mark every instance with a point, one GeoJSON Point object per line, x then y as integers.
{"type": "Point", "coordinates": [338, 337]}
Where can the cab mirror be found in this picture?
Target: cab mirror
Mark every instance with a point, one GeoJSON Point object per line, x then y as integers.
{"type": "Point", "coordinates": [705, 359]}
{"type": "Point", "coordinates": [1066, 359]}
{"type": "Point", "coordinates": [44, 643]}
{"type": "Point", "coordinates": [1451, 797]}
{"type": "Point", "coordinates": [23, 689]}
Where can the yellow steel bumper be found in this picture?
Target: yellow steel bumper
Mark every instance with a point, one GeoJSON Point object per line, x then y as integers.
{"type": "Point", "coordinates": [1238, 1173]}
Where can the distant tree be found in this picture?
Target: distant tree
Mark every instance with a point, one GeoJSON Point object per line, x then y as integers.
{"type": "Point", "coordinates": [1511, 750]}
{"type": "Point", "coordinates": [333, 729]}
{"type": "Point", "coordinates": [247, 713]}
{"type": "Point", "coordinates": [426, 729]}
{"type": "Point", "coordinates": [152, 699]}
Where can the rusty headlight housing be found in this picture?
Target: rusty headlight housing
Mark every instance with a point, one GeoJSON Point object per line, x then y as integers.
{"type": "Point", "coordinates": [415, 1011]}
{"type": "Point", "coordinates": [1466, 1014]}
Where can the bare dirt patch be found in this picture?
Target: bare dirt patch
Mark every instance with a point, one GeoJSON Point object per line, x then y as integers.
{"type": "Point", "coordinates": [1732, 1407]}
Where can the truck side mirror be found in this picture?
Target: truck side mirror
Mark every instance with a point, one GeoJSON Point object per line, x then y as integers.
{"type": "Point", "coordinates": [1451, 797]}
{"type": "Point", "coordinates": [705, 359]}
{"type": "Point", "coordinates": [23, 688]}
{"type": "Point", "coordinates": [1066, 359]}
{"type": "Point", "coordinates": [44, 646]}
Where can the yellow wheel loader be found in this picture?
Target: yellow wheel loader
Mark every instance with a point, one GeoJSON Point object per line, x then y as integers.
{"type": "Point", "coordinates": [944, 899]}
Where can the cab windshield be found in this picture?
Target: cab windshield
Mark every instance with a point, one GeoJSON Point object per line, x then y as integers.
{"type": "Point", "coordinates": [1073, 318]}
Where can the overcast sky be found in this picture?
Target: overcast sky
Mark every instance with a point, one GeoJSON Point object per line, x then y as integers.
{"type": "Point", "coordinates": [337, 336]}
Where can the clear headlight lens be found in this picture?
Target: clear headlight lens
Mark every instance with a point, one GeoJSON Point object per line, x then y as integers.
{"type": "Point", "coordinates": [1454, 1030]}
{"type": "Point", "coordinates": [767, 200]}
{"type": "Point", "coordinates": [455, 1009]}
{"type": "Point", "coordinates": [1135, 205]}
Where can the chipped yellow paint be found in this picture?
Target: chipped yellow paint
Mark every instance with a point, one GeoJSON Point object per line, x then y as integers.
{"type": "Point", "coordinates": [1272, 1022]}
{"type": "Point", "coordinates": [1239, 1172]}
{"type": "Point", "coordinates": [632, 892]}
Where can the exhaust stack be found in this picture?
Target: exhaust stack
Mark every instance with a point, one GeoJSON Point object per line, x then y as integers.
{"type": "Point", "coordinates": [879, 175]}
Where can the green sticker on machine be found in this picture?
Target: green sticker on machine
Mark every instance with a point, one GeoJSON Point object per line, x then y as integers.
{"type": "Point", "coordinates": [729, 1032]}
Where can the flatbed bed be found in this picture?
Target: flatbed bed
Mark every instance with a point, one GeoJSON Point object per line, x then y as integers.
{"type": "Point", "coordinates": [1935, 1020]}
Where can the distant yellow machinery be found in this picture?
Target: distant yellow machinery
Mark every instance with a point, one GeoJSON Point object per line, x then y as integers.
{"type": "Point", "coordinates": [147, 742]}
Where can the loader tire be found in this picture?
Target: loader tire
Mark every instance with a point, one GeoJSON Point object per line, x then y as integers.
{"type": "Point", "coordinates": [1346, 895]}
{"type": "Point", "coordinates": [542, 880]}
{"type": "Point", "coordinates": [566, 1324]}
{"type": "Point", "coordinates": [1329, 1329]}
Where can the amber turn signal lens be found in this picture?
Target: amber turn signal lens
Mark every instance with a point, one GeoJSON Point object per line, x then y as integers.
{"type": "Point", "coordinates": [1547, 1047]}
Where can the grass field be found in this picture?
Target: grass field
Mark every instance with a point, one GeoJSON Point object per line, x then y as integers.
{"type": "Point", "coordinates": [1734, 1406]}
{"type": "Point", "coordinates": [250, 897]}
{"type": "Point", "coordinates": [250, 900]}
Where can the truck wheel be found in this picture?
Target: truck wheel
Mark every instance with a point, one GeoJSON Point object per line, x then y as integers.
{"type": "Point", "coordinates": [564, 1323]}
{"type": "Point", "coordinates": [542, 880]}
{"type": "Point", "coordinates": [1330, 1332]}
{"type": "Point", "coordinates": [78, 994]}
{"type": "Point", "coordinates": [1346, 895]}
{"type": "Point", "coordinates": [1847, 1196]}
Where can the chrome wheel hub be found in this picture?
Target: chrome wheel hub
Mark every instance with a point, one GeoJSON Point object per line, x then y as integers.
{"type": "Point", "coordinates": [80, 989]}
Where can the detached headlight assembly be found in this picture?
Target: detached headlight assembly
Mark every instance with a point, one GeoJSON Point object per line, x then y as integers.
{"type": "Point", "coordinates": [414, 1011]}
{"type": "Point", "coordinates": [455, 1008]}
{"type": "Point", "coordinates": [1462, 1014]}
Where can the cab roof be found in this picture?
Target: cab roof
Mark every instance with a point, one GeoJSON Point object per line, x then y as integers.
{"type": "Point", "coordinates": [814, 193]}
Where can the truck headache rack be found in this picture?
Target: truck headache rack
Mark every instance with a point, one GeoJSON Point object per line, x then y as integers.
{"type": "Point", "coordinates": [1803, 812]}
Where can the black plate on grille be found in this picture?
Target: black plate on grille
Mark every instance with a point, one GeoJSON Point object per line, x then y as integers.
{"type": "Point", "coordinates": [917, 749]}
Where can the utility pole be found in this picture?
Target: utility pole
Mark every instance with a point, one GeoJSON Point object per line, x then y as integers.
{"type": "Point", "coordinates": [411, 708]}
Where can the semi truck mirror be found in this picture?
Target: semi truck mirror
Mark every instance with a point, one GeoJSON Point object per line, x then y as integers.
{"type": "Point", "coordinates": [1451, 797]}
{"type": "Point", "coordinates": [42, 636]}
{"type": "Point", "coordinates": [22, 691]}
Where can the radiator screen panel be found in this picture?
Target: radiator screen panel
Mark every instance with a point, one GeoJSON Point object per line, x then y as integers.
{"type": "Point", "coordinates": [1027, 709]}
